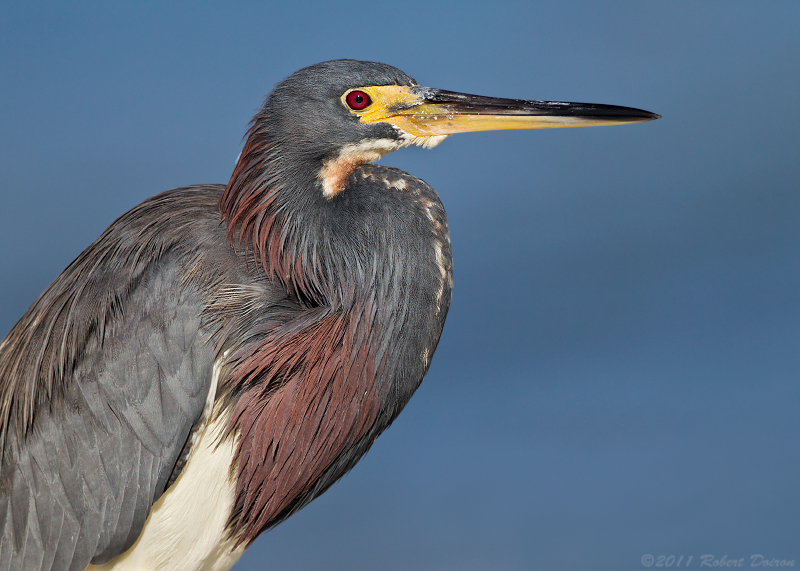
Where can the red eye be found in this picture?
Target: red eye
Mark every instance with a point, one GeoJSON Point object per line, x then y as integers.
{"type": "Point", "coordinates": [357, 100]}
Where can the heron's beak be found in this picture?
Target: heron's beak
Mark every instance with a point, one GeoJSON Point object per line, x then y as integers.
{"type": "Point", "coordinates": [424, 111]}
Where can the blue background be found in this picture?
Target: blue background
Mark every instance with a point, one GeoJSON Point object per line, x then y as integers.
{"type": "Point", "coordinates": [618, 375]}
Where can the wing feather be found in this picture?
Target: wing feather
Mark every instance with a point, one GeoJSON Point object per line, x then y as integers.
{"type": "Point", "coordinates": [103, 379]}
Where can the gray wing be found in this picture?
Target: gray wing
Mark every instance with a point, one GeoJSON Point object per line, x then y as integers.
{"type": "Point", "coordinates": [115, 397]}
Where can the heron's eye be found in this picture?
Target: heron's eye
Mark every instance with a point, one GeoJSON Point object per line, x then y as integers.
{"type": "Point", "coordinates": [358, 100]}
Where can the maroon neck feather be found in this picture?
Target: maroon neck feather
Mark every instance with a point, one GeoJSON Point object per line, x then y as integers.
{"type": "Point", "coordinates": [248, 202]}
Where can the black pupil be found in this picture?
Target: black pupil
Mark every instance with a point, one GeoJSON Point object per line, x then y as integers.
{"type": "Point", "coordinates": [359, 99]}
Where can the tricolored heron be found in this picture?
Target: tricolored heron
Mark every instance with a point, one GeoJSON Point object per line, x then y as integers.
{"type": "Point", "coordinates": [221, 355]}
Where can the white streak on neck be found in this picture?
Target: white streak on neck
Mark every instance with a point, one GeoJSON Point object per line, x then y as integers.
{"type": "Point", "coordinates": [334, 172]}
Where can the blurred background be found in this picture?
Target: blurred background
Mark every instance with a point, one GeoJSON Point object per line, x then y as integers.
{"type": "Point", "coordinates": [618, 376]}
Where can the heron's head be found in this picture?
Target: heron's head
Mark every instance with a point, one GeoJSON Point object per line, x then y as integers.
{"type": "Point", "coordinates": [333, 116]}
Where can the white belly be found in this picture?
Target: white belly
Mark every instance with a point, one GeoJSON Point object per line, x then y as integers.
{"type": "Point", "coordinates": [185, 530]}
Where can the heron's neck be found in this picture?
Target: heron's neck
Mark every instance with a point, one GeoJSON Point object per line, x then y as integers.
{"type": "Point", "coordinates": [332, 375]}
